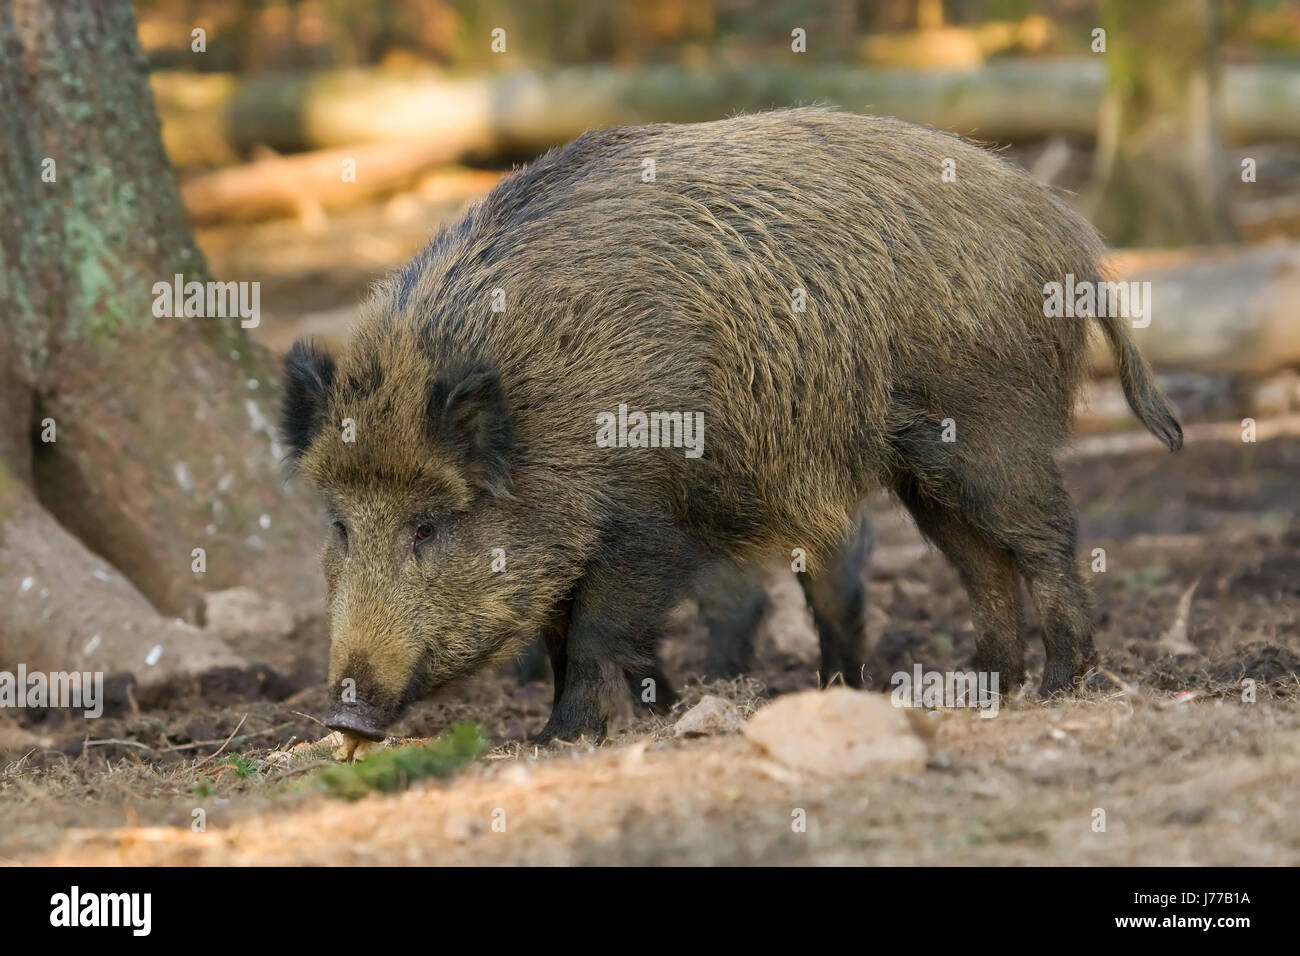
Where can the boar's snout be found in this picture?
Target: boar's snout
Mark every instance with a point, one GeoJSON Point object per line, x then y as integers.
{"type": "Point", "coordinates": [372, 679]}
{"type": "Point", "coordinates": [358, 719]}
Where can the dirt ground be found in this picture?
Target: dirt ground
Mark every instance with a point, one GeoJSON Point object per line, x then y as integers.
{"type": "Point", "coordinates": [1201, 590]}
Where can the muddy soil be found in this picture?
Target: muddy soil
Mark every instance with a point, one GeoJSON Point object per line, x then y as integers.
{"type": "Point", "coordinates": [1198, 611]}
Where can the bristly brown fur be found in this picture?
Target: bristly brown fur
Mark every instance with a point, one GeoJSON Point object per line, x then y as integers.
{"type": "Point", "coordinates": [924, 305]}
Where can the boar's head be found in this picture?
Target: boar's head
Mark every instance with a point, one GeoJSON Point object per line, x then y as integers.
{"type": "Point", "coordinates": [411, 459]}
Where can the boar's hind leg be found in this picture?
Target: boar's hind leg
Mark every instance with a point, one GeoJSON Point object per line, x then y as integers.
{"type": "Point", "coordinates": [977, 508]}
{"type": "Point", "coordinates": [988, 573]}
{"type": "Point", "coordinates": [1042, 534]}
{"type": "Point", "coordinates": [837, 597]}
{"type": "Point", "coordinates": [617, 613]}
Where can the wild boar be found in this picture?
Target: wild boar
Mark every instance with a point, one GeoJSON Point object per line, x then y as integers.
{"type": "Point", "coordinates": [809, 305]}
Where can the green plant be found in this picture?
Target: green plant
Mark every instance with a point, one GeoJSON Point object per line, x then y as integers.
{"type": "Point", "coordinates": [396, 769]}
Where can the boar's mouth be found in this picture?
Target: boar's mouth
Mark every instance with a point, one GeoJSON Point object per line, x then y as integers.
{"type": "Point", "coordinates": [359, 719]}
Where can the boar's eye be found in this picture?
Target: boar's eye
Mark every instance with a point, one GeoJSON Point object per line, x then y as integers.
{"type": "Point", "coordinates": [425, 532]}
{"type": "Point", "coordinates": [342, 531]}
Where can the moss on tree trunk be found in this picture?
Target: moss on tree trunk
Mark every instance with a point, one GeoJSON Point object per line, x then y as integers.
{"type": "Point", "coordinates": [163, 427]}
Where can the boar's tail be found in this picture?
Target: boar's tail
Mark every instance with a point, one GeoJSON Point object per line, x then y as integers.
{"type": "Point", "coordinates": [1144, 396]}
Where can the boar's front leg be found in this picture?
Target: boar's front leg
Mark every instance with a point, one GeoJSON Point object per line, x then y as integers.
{"type": "Point", "coordinates": [651, 688]}
{"type": "Point", "coordinates": [837, 598]}
{"type": "Point", "coordinates": [585, 694]}
{"type": "Point", "coordinates": [616, 614]}
{"type": "Point", "coordinates": [732, 601]}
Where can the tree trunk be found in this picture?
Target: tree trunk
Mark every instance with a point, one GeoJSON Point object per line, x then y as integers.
{"type": "Point", "coordinates": [130, 440]}
{"type": "Point", "coordinates": [1161, 170]}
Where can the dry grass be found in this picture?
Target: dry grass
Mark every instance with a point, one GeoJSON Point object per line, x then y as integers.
{"type": "Point", "coordinates": [1185, 770]}
{"type": "Point", "coordinates": [1201, 782]}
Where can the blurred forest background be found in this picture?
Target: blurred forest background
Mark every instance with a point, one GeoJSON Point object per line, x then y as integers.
{"type": "Point", "coordinates": [311, 145]}
{"type": "Point", "coordinates": [1149, 131]}
{"type": "Point", "coordinates": [148, 532]}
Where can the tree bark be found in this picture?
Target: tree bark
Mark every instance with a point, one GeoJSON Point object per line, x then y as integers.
{"type": "Point", "coordinates": [161, 427]}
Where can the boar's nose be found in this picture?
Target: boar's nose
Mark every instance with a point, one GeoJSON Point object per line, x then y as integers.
{"type": "Point", "coordinates": [353, 720]}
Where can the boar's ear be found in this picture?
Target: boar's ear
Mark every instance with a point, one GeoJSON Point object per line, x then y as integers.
{"type": "Point", "coordinates": [468, 414]}
{"type": "Point", "coordinates": [308, 374]}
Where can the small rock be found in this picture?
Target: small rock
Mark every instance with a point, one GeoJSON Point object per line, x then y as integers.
{"type": "Point", "coordinates": [712, 715]}
{"type": "Point", "coordinates": [837, 733]}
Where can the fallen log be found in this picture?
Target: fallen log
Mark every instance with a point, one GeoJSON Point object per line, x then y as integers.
{"type": "Point", "coordinates": [1131, 442]}
{"type": "Point", "coordinates": [303, 183]}
{"type": "Point", "coordinates": [1221, 310]}
{"type": "Point", "coordinates": [206, 119]}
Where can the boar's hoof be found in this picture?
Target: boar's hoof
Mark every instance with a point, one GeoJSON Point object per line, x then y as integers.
{"type": "Point", "coordinates": [350, 722]}
{"type": "Point", "coordinates": [1061, 679]}
{"type": "Point", "coordinates": [557, 730]}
